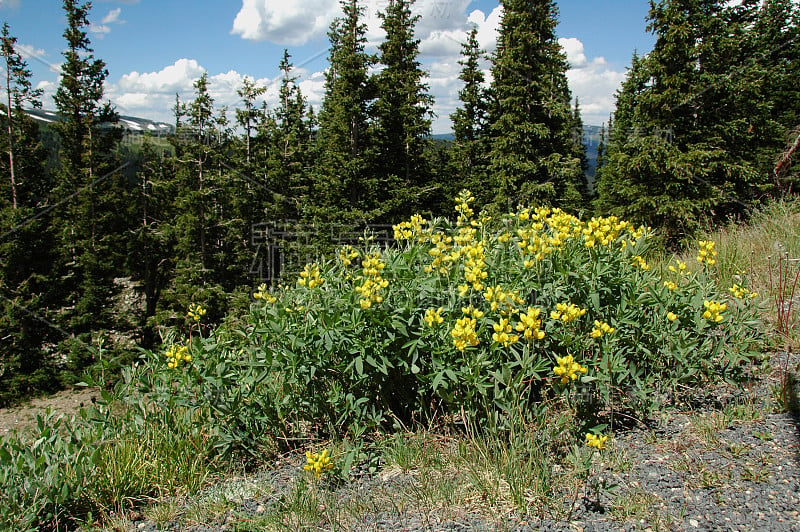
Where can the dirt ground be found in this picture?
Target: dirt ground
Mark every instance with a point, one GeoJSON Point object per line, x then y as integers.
{"type": "Point", "coordinates": [67, 402]}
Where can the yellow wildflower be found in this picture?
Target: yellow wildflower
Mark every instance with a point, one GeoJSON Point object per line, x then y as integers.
{"type": "Point", "coordinates": [640, 262]}
{"type": "Point", "coordinates": [680, 268]}
{"type": "Point", "coordinates": [318, 463]}
{"type": "Point", "coordinates": [196, 312]}
{"type": "Point", "coordinates": [529, 324]}
{"type": "Point", "coordinates": [706, 252]}
{"type": "Point", "coordinates": [601, 328]}
{"type": "Point", "coordinates": [261, 293]}
{"type": "Point", "coordinates": [177, 355]}
{"type": "Point", "coordinates": [598, 441]}
{"type": "Point", "coordinates": [434, 317]}
{"type": "Point", "coordinates": [464, 333]}
{"type": "Point", "coordinates": [740, 292]}
{"type": "Point", "coordinates": [501, 333]}
{"type": "Point", "coordinates": [310, 277]}
{"type": "Point", "coordinates": [671, 316]}
{"type": "Point", "coordinates": [567, 312]}
{"type": "Point", "coordinates": [714, 310]}
{"type": "Point", "coordinates": [567, 369]}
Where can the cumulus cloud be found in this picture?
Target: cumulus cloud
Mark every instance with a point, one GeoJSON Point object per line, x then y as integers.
{"type": "Point", "coordinates": [593, 82]}
{"type": "Point", "coordinates": [104, 28]}
{"type": "Point", "coordinates": [152, 94]}
{"type": "Point", "coordinates": [287, 22]}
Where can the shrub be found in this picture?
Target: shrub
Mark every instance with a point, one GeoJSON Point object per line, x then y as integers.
{"type": "Point", "coordinates": [476, 321]}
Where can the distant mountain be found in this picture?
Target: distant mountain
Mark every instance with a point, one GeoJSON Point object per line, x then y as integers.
{"type": "Point", "coordinates": [131, 124]}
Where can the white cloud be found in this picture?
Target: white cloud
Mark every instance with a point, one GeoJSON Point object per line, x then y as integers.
{"type": "Point", "coordinates": [593, 82]}
{"type": "Point", "coordinates": [169, 79]}
{"type": "Point", "coordinates": [113, 16]}
{"type": "Point", "coordinates": [574, 50]}
{"type": "Point", "coordinates": [103, 29]}
{"type": "Point", "coordinates": [152, 94]}
{"type": "Point", "coordinates": [287, 22]}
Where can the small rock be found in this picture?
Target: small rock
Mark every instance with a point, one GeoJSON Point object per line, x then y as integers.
{"type": "Point", "coordinates": [693, 523]}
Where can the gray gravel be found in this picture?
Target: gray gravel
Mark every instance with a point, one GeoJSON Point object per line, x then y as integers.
{"type": "Point", "coordinates": [696, 470]}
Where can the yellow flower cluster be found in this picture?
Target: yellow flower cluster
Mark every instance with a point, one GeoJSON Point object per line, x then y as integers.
{"type": "Point", "coordinates": [602, 231]}
{"type": "Point", "coordinates": [442, 255]}
{"type": "Point", "coordinates": [601, 328]}
{"type": "Point", "coordinates": [434, 317]}
{"type": "Point", "coordinates": [318, 463]}
{"type": "Point", "coordinates": [261, 293]}
{"type": "Point", "coordinates": [310, 277]}
{"type": "Point", "coordinates": [410, 229]}
{"type": "Point", "coordinates": [680, 268]}
{"type": "Point", "coordinates": [474, 262]}
{"type": "Point", "coordinates": [196, 312]}
{"type": "Point", "coordinates": [472, 311]}
{"type": "Point", "coordinates": [567, 312]}
{"type": "Point", "coordinates": [714, 310]}
{"type": "Point", "coordinates": [740, 292]}
{"type": "Point", "coordinates": [501, 300]}
{"type": "Point", "coordinates": [670, 285]}
{"type": "Point", "coordinates": [465, 212]}
{"type": "Point", "coordinates": [547, 232]}
{"type": "Point", "coordinates": [706, 252]}
{"type": "Point", "coordinates": [639, 262]}
{"type": "Point", "coordinates": [671, 316]}
{"type": "Point", "coordinates": [529, 324]}
{"type": "Point", "coordinates": [464, 333]}
{"type": "Point", "coordinates": [177, 355]}
{"type": "Point", "coordinates": [373, 281]}
{"type": "Point", "coordinates": [501, 333]}
{"type": "Point", "coordinates": [567, 369]}
{"type": "Point", "coordinates": [348, 254]}
{"type": "Point", "coordinates": [598, 441]}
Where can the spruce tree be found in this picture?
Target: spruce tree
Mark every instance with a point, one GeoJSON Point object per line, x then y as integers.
{"type": "Point", "coordinates": [288, 171]}
{"type": "Point", "coordinates": [694, 131]}
{"type": "Point", "coordinates": [249, 117]}
{"type": "Point", "coordinates": [403, 111]}
{"type": "Point", "coordinates": [26, 293]}
{"type": "Point", "coordinates": [531, 123]}
{"type": "Point", "coordinates": [19, 92]}
{"type": "Point", "coordinates": [91, 222]}
{"type": "Point", "coordinates": [346, 185]}
{"type": "Point", "coordinates": [469, 153]}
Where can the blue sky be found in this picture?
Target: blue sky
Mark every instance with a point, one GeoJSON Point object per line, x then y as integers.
{"type": "Point", "coordinates": [155, 48]}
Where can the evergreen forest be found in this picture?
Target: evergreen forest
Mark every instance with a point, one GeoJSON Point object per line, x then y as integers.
{"type": "Point", "coordinates": [106, 239]}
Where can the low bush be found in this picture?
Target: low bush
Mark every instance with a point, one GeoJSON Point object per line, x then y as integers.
{"type": "Point", "coordinates": [489, 326]}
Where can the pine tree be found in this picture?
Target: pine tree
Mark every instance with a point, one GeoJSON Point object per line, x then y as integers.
{"type": "Point", "coordinates": [19, 92]}
{"type": "Point", "coordinates": [151, 245]}
{"type": "Point", "coordinates": [601, 149]}
{"type": "Point", "coordinates": [91, 224]}
{"type": "Point", "coordinates": [249, 117]}
{"type": "Point", "coordinates": [346, 184]}
{"type": "Point", "coordinates": [693, 129]}
{"type": "Point", "coordinates": [288, 171]}
{"type": "Point", "coordinates": [26, 245]}
{"type": "Point", "coordinates": [403, 111]}
{"type": "Point", "coordinates": [469, 153]}
{"type": "Point", "coordinates": [531, 121]}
